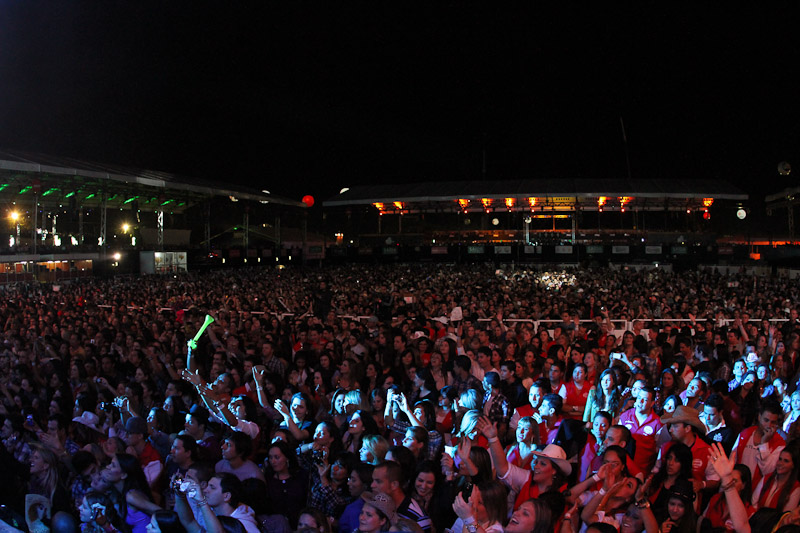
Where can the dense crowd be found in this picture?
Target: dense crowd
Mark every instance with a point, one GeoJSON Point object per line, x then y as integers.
{"type": "Point", "coordinates": [401, 398]}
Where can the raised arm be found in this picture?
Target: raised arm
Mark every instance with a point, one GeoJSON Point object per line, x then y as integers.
{"type": "Point", "coordinates": [496, 452]}
{"type": "Point", "coordinates": [724, 467]}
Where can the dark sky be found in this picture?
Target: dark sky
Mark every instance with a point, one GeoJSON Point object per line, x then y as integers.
{"type": "Point", "coordinates": [312, 99]}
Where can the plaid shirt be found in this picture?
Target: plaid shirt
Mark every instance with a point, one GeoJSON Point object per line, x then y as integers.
{"type": "Point", "coordinates": [330, 501]}
{"type": "Point", "coordinates": [499, 411]}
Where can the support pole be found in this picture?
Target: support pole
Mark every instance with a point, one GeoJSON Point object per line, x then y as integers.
{"type": "Point", "coordinates": [160, 223]}
{"type": "Point", "coordinates": [35, 219]}
{"type": "Point", "coordinates": [103, 225]}
{"type": "Point", "coordinates": [246, 223]}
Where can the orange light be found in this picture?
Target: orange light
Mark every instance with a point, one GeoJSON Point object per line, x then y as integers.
{"type": "Point", "coordinates": [688, 211]}
{"type": "Point", "coordinates": [531, 201]}
{"type": "Point", "coordinates": [755, 256]}
{"type": "Point", "coordinates": [398, 205]}
{"type": "Point", "coordinates": [487, 203]}
{"type": "Point", "coordinates": [708, 202]}
{"type": "Point", "coordinates": [510, 203]}
{"type": "Point", "coordinates": [379, 206]}
{"type": "Point", "coordinates": [601, 201]}
{"type": "Point", "coordinates": [463, 203]}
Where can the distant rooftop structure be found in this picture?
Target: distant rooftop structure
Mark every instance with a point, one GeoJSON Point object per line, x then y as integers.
{"type": "Point", "coordinates": [57, 180]}
{"type": "Point", "coordinates": [541, 194]}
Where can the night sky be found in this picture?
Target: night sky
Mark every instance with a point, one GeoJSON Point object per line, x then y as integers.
{"type": "Point", "coordinates": [309, 100]}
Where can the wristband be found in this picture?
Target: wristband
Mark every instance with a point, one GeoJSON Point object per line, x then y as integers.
{"type": "Point", "coordinates": [596, 478]}
{"type": "Point", "coordinates": [469, 520]}
{"type": "Point", "coordinates": [567, 516]}
{"type": "Point", "coordinates": [602, 492]}
{"type": "Point", "coordinates": [493, 439]}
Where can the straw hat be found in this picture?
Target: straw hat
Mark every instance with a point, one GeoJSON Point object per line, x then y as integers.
{"type": "Point", "coordinates": [685, 415]}
{"type": "Point", "coordinates": [556, 453]}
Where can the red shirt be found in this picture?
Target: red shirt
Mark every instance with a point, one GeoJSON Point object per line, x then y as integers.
{"type": "Point", "coordinates": [148, 455]}
{"type": "Point", "coordinates": [700, 455]}
{"type": "Point", "coordinates": [577, 397]}
{"type": "Point", "coordinates": [645, 436]}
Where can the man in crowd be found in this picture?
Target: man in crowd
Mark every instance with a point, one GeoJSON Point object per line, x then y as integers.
{"type": "Point", "coordinates": [236, 449]}
{"type": "Point", "coordinates": [759, 446]}
{"type": "Point", "coordinates": [388, 478]}
{"type": "Point", "coordinates": [643, 424]}
{"type": "Point", "coordinates": [221, 497]}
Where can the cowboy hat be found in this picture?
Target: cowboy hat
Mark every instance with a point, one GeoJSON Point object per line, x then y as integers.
{"type": "Point", "coordinates": [556, 453]}
{"type": "Point", "coordinates": [685, 415]}
{"type": "Point", "coordinates": [383, 503]}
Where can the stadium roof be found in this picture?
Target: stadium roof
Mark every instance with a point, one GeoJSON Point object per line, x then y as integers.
{"type": "Point", "coordinates": [58, 179]}
{"type": "Point", "coordinates": [584, 194]}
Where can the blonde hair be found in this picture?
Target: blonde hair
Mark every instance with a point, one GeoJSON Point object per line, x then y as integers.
{"type": "Point", "coordinates": [377, 446]}
{"type": "Point", "coordinates": [49, 478]}
{"type": "Point", "coordinates": [468, 399]}
{"type": "Point", "coordinates": [469, 423]}
{"type": "Point", "coordinates": [353, 401]}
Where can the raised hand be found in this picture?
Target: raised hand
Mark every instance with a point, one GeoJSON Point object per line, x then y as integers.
{"type": "Point", "coordinates": [719, 461]}
{"type": "Point", "coordinates": [282, 408]}
{"type": "Point", "coordinates": [462, 509]}
{"type": "Point", "coordinates": [486, 428]}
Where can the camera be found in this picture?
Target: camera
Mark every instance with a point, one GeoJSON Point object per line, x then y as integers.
{"type": "Point", "coordinates": [107, 406]}
{"type": "Point", "coordinates": [318, 456]}
{"type": "Point", "coordinates": [466, 490]}
{"type": "Point", "coordinates": [180, 484]}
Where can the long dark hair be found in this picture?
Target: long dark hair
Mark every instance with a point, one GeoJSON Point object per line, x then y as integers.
{"type": "Point", "coordinates": [599, 394]}
{"type": "Point", "coordinates": [682, 454]}
{"type": "Point", "coordinates": [544, 518]}
{"type": "Point", "coordinates": [287, 452]}
{"type": "Point", "coordinates": [788, 486]}
{"type": "Point", "coordinates": [135, 480]}
{"type": "Point", "coordinates": [168, 522]}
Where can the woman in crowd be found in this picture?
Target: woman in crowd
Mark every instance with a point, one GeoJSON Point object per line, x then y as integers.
{"type": "Point", "coordinates": [313, 520]}
{"type": "Point", "coordinates": [521, 452]}
{"type": "Point", "coordinates": [373, 449]}
{"type": "Point", "coordinates": [378, 514]}
{"type": "Point", "coordinates": [441, 376]}
{"type": "Point", "coordinates": [176, 410]}
{"type": "Point", "coordinates": [669, 385]}
{"type": "Point", "coordinates": [361, 424]}
{"type": "Point", "coordinates": [98, 515]}
{"type": "Point", "coordinates": [717, 515]}
{"type": "Point", "coordinates": [126, 477]}
{"type": "Point", "coordinates": [296, 416]}
{"type": "Point", "coordinates": [337, 412]}
{"type": "Point", "coordinates": [677, 465]}
{"type": "Point", "coordinates": [780, 489]}
{"type": "Point", "coordinates": [794, 413]}
{"type": "Point", "coordinates": [485, 506]}
{"type": "Point", "coordinates": [577, 393]}
{"type": "Point", "coordinates": [287, 483]}
{"type": "Point", "coordinates": [747, 398]}
{"type": "Point", "coordinates": [679, 515]}
{"type": "Point", "coordinates": [45, 478]}
{"type": "Point", "coordinates": [604, 397]}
